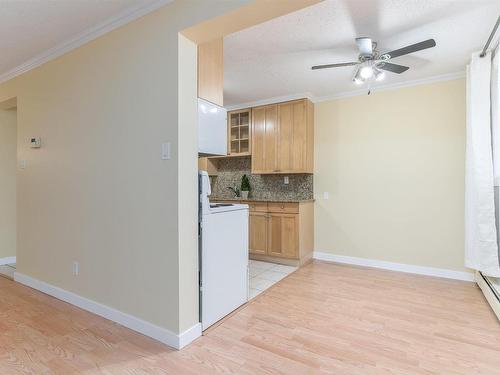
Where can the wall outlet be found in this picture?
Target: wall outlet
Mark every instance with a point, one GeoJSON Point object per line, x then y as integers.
{"type": "Point", "coordinates": [76, 268]}
{"type": "Point", "coordinates": [286, 180]}
{"type": "Point", "coordinates": [165, 151]}
{"type": "Point", "coordinates": [326, 195]}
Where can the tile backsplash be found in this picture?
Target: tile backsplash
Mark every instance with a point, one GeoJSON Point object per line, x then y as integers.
{"type": "Point", "coordinates": [231, 170]}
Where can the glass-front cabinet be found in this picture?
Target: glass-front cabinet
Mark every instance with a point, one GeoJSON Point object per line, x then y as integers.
{"type": "Point", "coordinates": [239, 132]}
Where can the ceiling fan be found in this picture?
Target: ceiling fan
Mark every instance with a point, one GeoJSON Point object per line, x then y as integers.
{"type": "Point", "coordinates": [371, 63]}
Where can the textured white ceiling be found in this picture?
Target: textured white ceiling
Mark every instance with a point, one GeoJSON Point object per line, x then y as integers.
{"type": "Point", "coordinates": [29, 28]}
{"type": "Point", "coordinates": [274, 58]}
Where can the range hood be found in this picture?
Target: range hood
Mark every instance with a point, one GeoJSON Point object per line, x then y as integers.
{"type": "Point", "coordinates": [212, 129]}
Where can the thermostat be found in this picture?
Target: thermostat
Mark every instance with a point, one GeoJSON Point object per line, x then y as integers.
{"type": "Point", "coordinates": [35, 142]}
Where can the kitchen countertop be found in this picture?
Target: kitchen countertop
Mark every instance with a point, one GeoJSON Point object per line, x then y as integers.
{"type": "Point", "coordinates": [276, 200]}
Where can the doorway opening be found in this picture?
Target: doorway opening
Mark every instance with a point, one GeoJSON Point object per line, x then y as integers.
{"type": "Point", "coordinates": [8, 186]}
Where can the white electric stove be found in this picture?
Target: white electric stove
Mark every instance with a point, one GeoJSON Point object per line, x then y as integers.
{"type": "Point", "coordinates": [223, 256]}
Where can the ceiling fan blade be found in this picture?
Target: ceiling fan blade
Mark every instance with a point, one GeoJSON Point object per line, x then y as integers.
{"type": "Point", "coordinates": [334, 65]}
{"type": "Point", "coordinates": [365, 45]}
{"type": "Point", "coordinates": [429, 43]}
{"type": "Point", "coordinates": [394, 68]}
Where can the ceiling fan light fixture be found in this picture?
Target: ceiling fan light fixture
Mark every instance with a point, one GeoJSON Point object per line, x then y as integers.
{"type": "Point", "coordinates": [371, 65]}
{"type": "Point", "coordinates": [378, 74]}
{"type": "Point", "coordinates": [366, 72]}
{"type": "Point", "coordinates": [358, 80]}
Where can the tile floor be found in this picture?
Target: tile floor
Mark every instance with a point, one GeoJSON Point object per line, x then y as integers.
{"type": "Point", "coordinates": [8, 271]}
{"type": "Point", "coordinates": [264, 274]}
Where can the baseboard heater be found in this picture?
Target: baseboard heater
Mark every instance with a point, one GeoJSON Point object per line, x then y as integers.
{"type": "Point", "coordinates": [491, 293]}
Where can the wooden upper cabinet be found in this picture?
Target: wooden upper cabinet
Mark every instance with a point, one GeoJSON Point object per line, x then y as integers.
{"type": "Point", "coordinates": [211, 71]}
{"type": "Point", "coordinates": [238, 132]}
{"type": "Point", "coordinates": [209, 165]}
{"type": "Point", "coordinates": [283, 142]}
{"type": "Point", "coordinates": [265, 139]}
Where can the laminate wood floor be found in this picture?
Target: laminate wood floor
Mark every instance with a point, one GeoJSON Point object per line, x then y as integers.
{"type": "Point", "coordinates": [322, 319]}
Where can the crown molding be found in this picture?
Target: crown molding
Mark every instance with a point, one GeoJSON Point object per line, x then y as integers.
{"type": "Point", "coordinates": [394, 86]}
{"type": "Point", "coordinates": [348, 94]}
{"type": "Point", "coordinates": [276, 99]}
{"type": "Point", "coordinates": [84, 37]}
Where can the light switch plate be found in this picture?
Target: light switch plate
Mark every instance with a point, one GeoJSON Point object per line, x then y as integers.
{"type": "Point", "coordinates": [326, 195]}
{"type": "Point", "coordinates": [23, 164]}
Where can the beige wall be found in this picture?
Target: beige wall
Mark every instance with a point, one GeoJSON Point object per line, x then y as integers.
{"type": "Point", "coordinates": [188, 184]}
{"type": "Point", "coordinates": [97, 191]}
{"type": "Point", "coordinates": [393, 164]}
{"type": "Point", "coordinates": [8, 147]}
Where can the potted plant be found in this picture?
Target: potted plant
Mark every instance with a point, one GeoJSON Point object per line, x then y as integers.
{"type": "Point", "coordinates": [245, 186]}
{"type": "Point", "coordinates": [235, 190]}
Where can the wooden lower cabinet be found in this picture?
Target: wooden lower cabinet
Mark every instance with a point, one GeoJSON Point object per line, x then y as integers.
{"type": "Point", "coordinates": [283, 235]}
{"type": "Point", "coordinates": [258, 232]}
{"type": "Point", "coordinates": [281, 232]}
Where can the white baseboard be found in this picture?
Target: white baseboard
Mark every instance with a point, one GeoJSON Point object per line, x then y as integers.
{"type": "Point", "coordinates": [136, 324]}
{"type": "Point", "coordinates": [189, 335]}
{"type": "Point", "coordinates": [7, 260]}
{"type": "Point", "coordinates": [401, 267]}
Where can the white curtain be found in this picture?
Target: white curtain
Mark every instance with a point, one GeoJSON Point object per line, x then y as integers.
{"type": "Point", "coordinates": [495, 133]}
{"type": "Point", "coordinates": [481, 246]}
{"type": "Point", "coordinates": [495, 114]}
